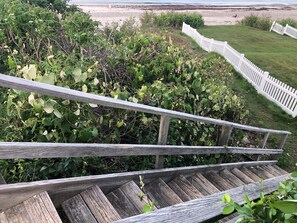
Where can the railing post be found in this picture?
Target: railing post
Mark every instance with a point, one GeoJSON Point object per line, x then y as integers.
{"type": "Point", "coordinates": [224, 138]}
{"type": "Point", "coordinates": [162, 139]}
{"type": "Point", "coordinates": [285, 29]}
{"type": "Point", "coordinates": [210, 46]}
{"type": "Point", "coordinates": [283, 141]}
{"type": "Point", "coordinates": [272, 26]}
{"type": "Point", "coordinates": [263, 144]}
{"type": "Point", "coordinates": [295, 112]}
{"type": "Point", "coordinates": [263, 81]}
{"type": "Point", "coordinates": [224, 49]}
{"type": "Point", "coordinates": [240, 61]}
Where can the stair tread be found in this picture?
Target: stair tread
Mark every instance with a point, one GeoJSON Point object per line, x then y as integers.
{"type": "Point", "coordinates": [122, 204]}
{"type": "Point", "coordinates": [250, 174]}
{"type": "Point", "coordinates": [218, 181]}
{"type": "Point", "coordinates": [261, 172]}
{"type": "Point", "coordinates": [242, 176]}
{"type": "Point", "coordinates": [231, 178]}
{"type": "Point", "coordinates": [77, 210]}
{"type": "Point", "coordinates": [99, 205]}
{"type": "Point", "coordinates": [161, 193]}
{"type": "Point", "coordinates": [38, 208]}
{"type": "Point", "coordinates": [203, 185]}
{"type": "Point", "coordinates": [272, 170]}
{"type": "Point", "coordinates": [280, 169]}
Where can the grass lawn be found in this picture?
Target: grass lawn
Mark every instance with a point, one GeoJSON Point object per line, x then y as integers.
{"type": "Point", "coordinates": [271, 52]}
{"type": "Point", "coordinates": [263, 113]}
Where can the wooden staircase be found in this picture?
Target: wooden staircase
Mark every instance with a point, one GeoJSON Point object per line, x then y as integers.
{"type": "Point", "coordinates": [93, 205]}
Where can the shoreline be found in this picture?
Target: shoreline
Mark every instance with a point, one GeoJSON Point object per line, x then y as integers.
{"type": "Point", "coordinates": [212, 14]}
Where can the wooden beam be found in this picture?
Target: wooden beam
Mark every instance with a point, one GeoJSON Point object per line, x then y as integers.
{"type": "Point", "coordinates": [209, 207]}
{"type": "Point", "coordinates": [162, 139]}
{"type": "Point", "coordinates": [14, 150]}
{"type": "Point", "coordinates": [65, 93]}
{"type": "Point", "coordinates": [63, 189]}
{"type": "Point", "coordinates": [224, 138]}
{"type": "Point", "coordinates": [283, 141]}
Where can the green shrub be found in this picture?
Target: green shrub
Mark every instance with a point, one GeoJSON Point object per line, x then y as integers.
{"type": "Point", "coordinates": [263, 23]}
{"type": "Point", "coordinates": [173, 19]}
{"type": "Point", "coordinates": [289, 21]}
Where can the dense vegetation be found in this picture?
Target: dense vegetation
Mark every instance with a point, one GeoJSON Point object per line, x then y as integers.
{"type": "Point", "coordinates": [69, 50]}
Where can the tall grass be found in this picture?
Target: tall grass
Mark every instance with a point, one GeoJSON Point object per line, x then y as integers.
{"type": "Point", "coordinates": [289, 21]}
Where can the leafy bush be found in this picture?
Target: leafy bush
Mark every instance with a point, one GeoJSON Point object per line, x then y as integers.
{"type": "Point", "coordinates": [289, 21]}
{"type": "Point", "coordinates": [280, 206]}
{"type": "Point", "coordinates": [263, 23]}
{"type": "Point", "coordinates": [59, 6]}
{"type": "Point", "coordinates": [142, 68]}
{"type": "Point", "coordinates": [173, 19]}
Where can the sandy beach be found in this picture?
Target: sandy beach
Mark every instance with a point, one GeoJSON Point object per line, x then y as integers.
{"type": "Point", "coordinates": [213, 15]}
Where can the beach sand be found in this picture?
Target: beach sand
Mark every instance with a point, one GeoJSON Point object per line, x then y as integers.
{"type": "Point", "coordinates": [213, 15]}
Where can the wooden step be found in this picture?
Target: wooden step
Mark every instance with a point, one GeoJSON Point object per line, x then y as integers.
{"type": "Point", "coordinates": [203, 185]}
{"type": "Point", "coordinates": [38, 208]}
{"type": "Point", "coordinates": [283, 172]}
{"type": "Point", "coordinates": [90, 205]}
{"type": "Point", "coordinates": [231, 178]}
{"type": "Point", "coordinates": [161, 193]}
{"type": "Point", "coordinates": [126, 200]}
{"type": "Point", "coordinates": [261, 172]}
{"type": "Point", "coordinates": [274, 171]}
{"type": "Point", "coordinates": [218, 181]}
{"type": "Point", "coordinates": [184, 189]}
{"type": "Point", "coordinates": [243, 177]}
{"type": "Point", "coordinates": [250, 174]}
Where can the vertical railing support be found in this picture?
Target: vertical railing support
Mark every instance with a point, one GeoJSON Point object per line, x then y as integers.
{"type": "Point", "coordinates": [224, 138]}
{"type": "Point", "coordinates": [210, 46]}
{"type": "Point", "coordinates": [224, 49]}
{"type": "Point", "coordinates": [263, 81]}
{"type": "Point", "coordinates": [162, 139]}
{"type": "Point", "coordinates": [283, 141]}
{"type": "Point", "coordinates": [240, 61]}
{"type": "Point", "coordinates": [263, 143]}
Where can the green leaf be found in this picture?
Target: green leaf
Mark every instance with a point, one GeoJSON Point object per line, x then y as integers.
{"type": "Point", "coordinates": [49, 106]}
{"type": "Point", "coordinates": [48, 79]}
{"type": "Point", "coordinates": [57, 113]}
{"type": "Point", "coordinates": [286, 206]}
{"type": "Point", "coordinates": [146, 208]}
{"type": "Point", "coordinates": [247, 200]}
{"type": "Point", "coordinates": [226, 198]}
{"type": "Point", "coordinates": [228, 209]}
{"type": "Point", "coordinates": [294, 174]}
{"type": "Point", "coordinates": [78, 75]}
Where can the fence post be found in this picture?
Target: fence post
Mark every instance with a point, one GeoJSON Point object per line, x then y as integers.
{"type": "Point", "coordinates": [225, 46]}
{"type": "Point", "coordinates": [295, 112]}
{"type": "Point", "coordinates": [240, 61]}
{"type": "Point", "coordinates": [263, 81]}
{"type": "Point", "coordinates": [224, 139]}
{"type": "Point", "coordinates": [285, 29]}
{"type": "Point", "coordinates": [264, 143]}
{"type": "Point", "coordinates": [162, 139]}
{"type": "Point", "coordinates": [283, 141]}
{"type": "Point", "coordinates": [272, 26]}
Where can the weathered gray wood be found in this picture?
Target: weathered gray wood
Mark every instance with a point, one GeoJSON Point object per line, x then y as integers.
{"type": "Point", "coordinates": [243, 177]}
{"type": "Point", "coordinates": [40, 211]}
{"type": "Point", "coordinates": [77, 211]}
{"type": "Point", "coordinates": [3, 218]}
{"type": "Point", "coordinates": [184, 189]}
{"type": "Point", "coordinates": [231, 178]}
{"type": "Point", "coordinates": [280, 169]}
{"type": "Point", "coordinates": [272, 170]}
{"type": "Point", "coordinates": [283, 141]}
{"type": "Point", "coordinates": [203, 185]}
{"type": "Point", "coordinates": [206, 208]}
{"type": "Point", "coordinates": [122, 204]}
{"type": "Point", "coordinates": [12, 150]}
{"type": "Point", "coordinates": [18, 213]}
{"type": "Point", "coordinates": [162, 139]}
{"type": "Point", "coordinates": [99, 205]}
{"type": "Point", "coordinates": [161, 193]}
{"type": "Point", "coordinates": [250, 174]}
{"type": "Point", "coordinates": [263, 144]}
{"type": "Point", "coordinates": [229, 218]}
{"type": "Point", "coordinates": [233, 220]}
{"type": "Point", "coordinates": [133, 192]}
{"type": "Point", "coordinates": [63, 189]}
{"type": "Point", "coordinates": [65, 93]}
{"type": "Point", "coordinates": [261, 173]}
{"type": "Point", "coordinates": [224, 138]}
{"type": "Point", "coordinates": [217, 181]}
{"type": "Point", "coordinates": [2, 181]}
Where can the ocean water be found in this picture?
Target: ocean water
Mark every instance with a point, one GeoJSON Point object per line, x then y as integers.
{"type": "Point", "coordinates": [183, 2]}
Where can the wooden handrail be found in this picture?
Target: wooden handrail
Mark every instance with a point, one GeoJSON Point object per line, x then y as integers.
{"type": "Point", "coordinates": [14, 150]}
{"type": "Point", "coordinates": [65, 93]}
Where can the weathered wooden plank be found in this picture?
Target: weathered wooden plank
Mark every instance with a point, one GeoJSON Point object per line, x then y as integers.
{"type": "Point", "coordinates": [65, 93]}
{"type": "Point", "coordinates": [18, 214]}
{"type": "Point", "coordinates": [2, 181]}
{"type": "Point", "coordinates": [187, 187]}
{"type": "Point", "coordinates": [3, 218]}
{"type": "Point", "coordinates": [99, 205]}
{"type": "Point", "coordinates": [283, 141]}
{"type": "Point", "coordinates": [229, 218]}
{"type": "Point", "coordinates": [250, 174]}
{"type": "Point", "coordinates": [206, 208]}
{"type": "Point", "coordinates": [243, 177]}
{"type": "Point", "coordinates": [63, 189]}
{"type": "Point", "coordinates": [203, 185]}
{"type": "Point", "coordinates": [233, 220]}
{"type": "Point", "coordinates": [271, 170]}
{"type": "Point", "coordinates": [261, 173]}
{"type": "Point", "coordinates": [162, 139]}
{"type": "Point", "coordinates": [133, 192]}
{"type": "Point", "coordinates": [122, 204]}
{"type": "Point", "coordinates": [39, 212]}
{"type": "Point", "coordinates": [50, 208]}
{"type": "Point", "coordinates": [12, 150]}
{"type": "Point", "coordinates": [182, 195]}
{"type": "Point", "coordinates": [280, 169]}
{"type": "Point", "coordinates": [217, 181]}
{"type": "Point", "coordinates": [161, 193]}
{"type": "Point", "coordinates": [77, 210]}
{"type": "Point", "coordinates": [231, 178]}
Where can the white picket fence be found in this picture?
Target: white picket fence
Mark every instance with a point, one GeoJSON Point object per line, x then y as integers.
{"type": "Point", "coordinates": [287, 30]}
{"type": "Point", "coordinates": [280, 93]}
